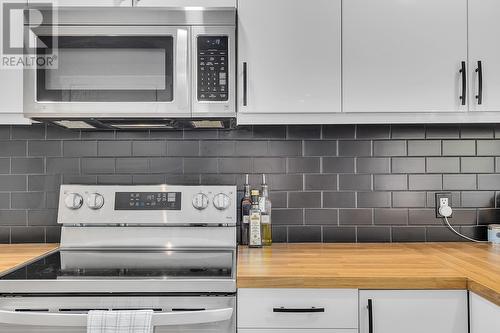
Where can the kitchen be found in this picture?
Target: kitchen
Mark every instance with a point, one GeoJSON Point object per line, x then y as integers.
{"type": "Point", "coordinates": [374, 123]}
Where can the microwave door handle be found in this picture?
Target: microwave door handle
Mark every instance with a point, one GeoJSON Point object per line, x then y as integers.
{"type": "Point", "coordinates": [80, 320]}
{"type": "Point", "coordinates": [182, 63]}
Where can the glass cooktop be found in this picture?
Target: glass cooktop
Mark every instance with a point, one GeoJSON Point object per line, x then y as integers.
{"type": "Point", "coordinates": [81, 265]}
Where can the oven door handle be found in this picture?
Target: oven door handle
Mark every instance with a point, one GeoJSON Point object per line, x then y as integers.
{"type": "Point", "coordinates": [182, 63]}
{"type": "Point", "coordinates": [80, 320]}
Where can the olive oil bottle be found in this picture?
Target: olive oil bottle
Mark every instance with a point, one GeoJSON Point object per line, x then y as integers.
{"type": "Point", "coordinates": [246, 205]}
{"type": "Point", "coordinates": [255, 231]}
{"type": "Point", "coordinates": [265, 211]}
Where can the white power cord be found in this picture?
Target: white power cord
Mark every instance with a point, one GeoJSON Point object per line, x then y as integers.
{"type": "Point", "coordinates": [459, 234]}
{"type": "Point", "coordinates": [445, 211]}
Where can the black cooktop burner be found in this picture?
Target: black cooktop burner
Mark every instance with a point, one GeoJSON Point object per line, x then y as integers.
{"type": "Point", "coordinates": [126, 265]}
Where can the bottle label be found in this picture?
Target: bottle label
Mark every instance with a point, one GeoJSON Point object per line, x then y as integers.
{"type": "Point", "coordinates": [255, 231]}
{"type": "Point", "coordinates": [246, 219]}
{"type": "Point", "coordinates": [262, 204]}
{"type": "Point", "coordinates": [266, 219]}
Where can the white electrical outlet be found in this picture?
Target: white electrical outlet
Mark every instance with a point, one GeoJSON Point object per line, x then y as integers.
{"type": "Point", "coordinates": [444, 204]}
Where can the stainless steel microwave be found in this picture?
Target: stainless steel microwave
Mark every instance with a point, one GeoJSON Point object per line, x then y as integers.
{"type": "Point", "coordinates": [133, 67]}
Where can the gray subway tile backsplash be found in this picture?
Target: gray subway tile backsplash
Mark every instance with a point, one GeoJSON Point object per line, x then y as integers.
{"type": "Point", "coordinates": [459, 147]}
{"type": "Point", "coordinates": [339, 164]}
{"type": "Point", "coordinates": [488, 147]}
{"type": "Point", "coordinates": [373, 165]}
{"type": "Point", "coordinates": [325, 182]}
{"type": "Point", "coordinates": [339, 132]}
{"type": "Point", "coordinates": [321, 216]}
{"type": "Point", "coordinates": [355, 148]}
{"type": "Point", "coordinates": [477, 164]}
{"type": "Point", "coordinates": [339, 199]}
{"type": "Point", "coordinates": [374, 234]}
{"type": "Point", "coordinates": [424, 148]}
{"type": "Point", "coordinates": [339, 234]}
{"type": "Point", "coordinates": [332, 183]}
{"type": "Point", "coordinates": [389, 148]}
{"type": "Point", "coordinates": [373, 199]}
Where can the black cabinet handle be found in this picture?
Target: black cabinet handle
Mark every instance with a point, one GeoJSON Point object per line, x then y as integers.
{"type": "Point", "coordinates": [370, 316]}
{"type": "Point", "coordinates": [299, 310]}
{"type": "Point", "coordinates": [463, 71]}
{"type": "Point", "coordinates": [479, 71]}
{"type": "Point", "coordinates": [245, 84]}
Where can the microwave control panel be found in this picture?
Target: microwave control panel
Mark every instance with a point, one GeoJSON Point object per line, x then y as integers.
{"type": "Point", "coordinates": [213, 74]}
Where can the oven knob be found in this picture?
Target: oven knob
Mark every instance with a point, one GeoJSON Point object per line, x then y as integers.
{"type": "Point", "coordinates": [221, 201]}
{"type": "Point", "coordinates": [73, 200]}
{"type": "Point", "coordinates": [200, 201]}
{"type": "Point", "coordinates": [95, 201]}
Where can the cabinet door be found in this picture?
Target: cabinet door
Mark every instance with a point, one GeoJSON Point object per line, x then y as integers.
{"type": "Point", "coordinates": [266, 330]}
{"type": "Point", "coordinates": [484, 26]}
{"type": "Point", "coordinates": [403, 56]}
{"type": "Point", "coordinates": [185, 3]}
{"type": "Point", "coordinates": [398, 311]}
{"type": "Point", "coordinates": [11, 74]}
{"type": "Point", "coordinates": [289, 56]}
{"type": "Point", "coordinates": [285, 308]}
{"type": "Point", "coordinates": [86, 3]}
{"type": "Point", "coordinates": [484, 315]}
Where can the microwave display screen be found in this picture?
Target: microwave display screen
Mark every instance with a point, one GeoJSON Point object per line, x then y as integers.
{"type": "Point", "coordinates": [213, 78]}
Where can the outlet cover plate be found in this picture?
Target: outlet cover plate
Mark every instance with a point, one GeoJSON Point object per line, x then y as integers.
{"type": "Point", "coordinates": [439, 196]}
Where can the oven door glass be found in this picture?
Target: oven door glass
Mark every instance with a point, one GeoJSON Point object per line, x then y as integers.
{"type": "Point", "coordinates": [52, 314]}
{"type": "Point", "coordinates": [111, 68]}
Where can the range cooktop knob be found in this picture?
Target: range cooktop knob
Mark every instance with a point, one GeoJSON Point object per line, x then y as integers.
{"type": "Point", "coordinates": [73, 200]}
{"type": "Point", "coordinates": [200, 201]}
{"type": "Point", "coordinates": [221, 201]}
{"type": "Point", "coordinates": [95, 201]}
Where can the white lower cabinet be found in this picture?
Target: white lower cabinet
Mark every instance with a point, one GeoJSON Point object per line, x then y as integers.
{"type": "Point", "coordinates": [85, 3]}
{"type": "Point", "coordinates": [484, 315]}
{"type": "Point", "coordinates": [286, 330]}
{"type": "Point", "coordinates": [297, 310]}
{"type": "Point", "coordinates": [413, 311]}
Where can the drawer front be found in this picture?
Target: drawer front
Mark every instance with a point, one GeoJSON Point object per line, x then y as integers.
{"type": "Point", "coordinates": [298, 308]}
{"type": "Point", "coordinates": [286, 330]}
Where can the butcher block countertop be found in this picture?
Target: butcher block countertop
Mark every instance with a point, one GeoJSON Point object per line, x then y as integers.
{"type": "Point", "coordinates": [14, 255]}
{"type": "Point", "coordinates": [373, 266]}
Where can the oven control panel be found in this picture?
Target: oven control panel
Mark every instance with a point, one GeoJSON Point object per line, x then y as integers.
{"type": "Point", "coordinates": [148, 201]}
{"type": "Point", "coordinates": [213, 74]}
{"type": "Point", "coordinates": [148, 204]}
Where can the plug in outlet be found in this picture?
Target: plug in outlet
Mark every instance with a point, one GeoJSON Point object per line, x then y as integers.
{"type": "Point", "coordinates": [443, 199]}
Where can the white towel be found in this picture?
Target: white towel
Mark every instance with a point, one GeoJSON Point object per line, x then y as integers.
{"type": "Point", "coordinates": [120, 321]}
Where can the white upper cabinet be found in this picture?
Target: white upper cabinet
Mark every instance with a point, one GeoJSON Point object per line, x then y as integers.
{"type": "Point", "coordinates": [86, 3]}
{"type": "Point", "coordinates": [405, 56]}
{"type": "Point", "coordinates": [11, 76]}
{"type": "Point", "coordinates": [484, 315]}
{"type": "Point", "coordinates": [484, 55]}
{"type": "Point", "coordinates": [289, 57]}
{"type": "Point", "coordinates": [419, 311]}
{"type": "Point", "coordinates": [185, 3]}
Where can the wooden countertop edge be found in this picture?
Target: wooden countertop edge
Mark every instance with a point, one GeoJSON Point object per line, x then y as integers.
{"type": "Point", "coordinates": [402, 283]}
{"type": "Point", "coordinates": [354, 282]}
{"type": "Point", "coordinates": [484, 291]}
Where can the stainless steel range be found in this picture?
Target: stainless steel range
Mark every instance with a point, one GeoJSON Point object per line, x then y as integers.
{"type": "Point", "coordinates": [167, 248]}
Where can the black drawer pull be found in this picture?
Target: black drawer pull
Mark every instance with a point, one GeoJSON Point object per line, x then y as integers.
{"type": "Point", "coordinates": [479, 71]}
{"type": "Point", "coordinates": [463, 71]}
{"type": "Point", "coordinates": [298, 310]}
{"type": "Point", "coordinates": [245, 84]}
{"type": "Point", "coordinates": [370, 316]}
